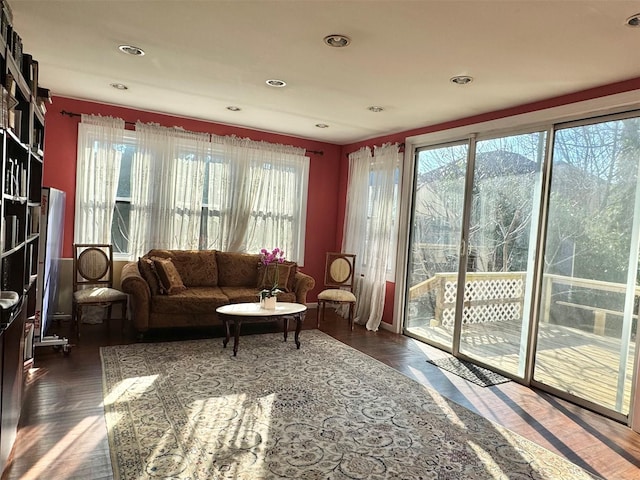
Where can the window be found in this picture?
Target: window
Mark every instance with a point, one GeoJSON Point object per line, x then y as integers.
{"type": "Point", "coordinates": [270, 196]}
{"type": "Point", "coordinates": [372, 202]}
{"type": "Point", "coordinates": [270, 211]}
{"type": "Point", "coordinates": [122, 209]}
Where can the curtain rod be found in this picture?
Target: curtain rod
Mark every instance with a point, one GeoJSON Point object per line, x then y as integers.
{"type": "Point", "coordinates": [73, 114]}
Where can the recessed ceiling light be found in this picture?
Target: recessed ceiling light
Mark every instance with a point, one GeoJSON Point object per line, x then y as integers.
{"type": "Point", "coordinates": [337, 40]}
{"type": "Point", "coordinates": [634, 20]}
{"type": "Point", "coordinates": [375, 108]}
{"type": "Point", "coordinates": [233, 108]}
{"type": "Point", "coordinates": [461, 79]}
{"type": "Point", "coordinates": [119, 86]}
{"type": "Point", "coordinates": [276, 83]}
{"type": "Point", "coordinates": [322, 125]}
{"type": "Point", "coordinates": [131, 50]}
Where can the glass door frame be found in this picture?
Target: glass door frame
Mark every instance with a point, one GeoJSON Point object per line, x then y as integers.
{"type": "Point", "coordinates": [464, 243]}
{"type": "Point", "coordinates": [531, 327]}
{"type": "Point", "coordinates": [410, 178]}
{"type": "Point", "coordinates": [537, 297]}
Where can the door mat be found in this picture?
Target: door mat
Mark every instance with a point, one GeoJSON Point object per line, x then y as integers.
{"type": "Point", "coordinates": [467, 370]}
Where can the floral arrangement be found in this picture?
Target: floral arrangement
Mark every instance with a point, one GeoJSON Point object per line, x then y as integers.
{"type": "Point", "coordinates": [273, 257]}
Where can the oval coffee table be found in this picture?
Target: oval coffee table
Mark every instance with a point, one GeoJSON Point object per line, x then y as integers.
{"type": "Point", "coordinates": [239, 312]}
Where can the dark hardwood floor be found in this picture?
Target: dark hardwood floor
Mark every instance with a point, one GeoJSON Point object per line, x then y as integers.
{"type": "Point", "coordinates": [62, 432]}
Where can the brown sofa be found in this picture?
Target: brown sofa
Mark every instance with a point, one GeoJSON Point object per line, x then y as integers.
{"type": "Point", "coordinates": [207, 280]}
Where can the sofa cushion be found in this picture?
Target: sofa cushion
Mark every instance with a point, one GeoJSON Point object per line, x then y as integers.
{"type": "Point", "coordinates": [194, 300]}
{"type": "Point", "coordinates": [237, 269]}
{"type": "Point", "coordinates": [148, 271]}
{"type": "Point", "coordinates": [169, 276]}
{"type": "Point", "coordinates": [266, 276]}
{"type": "Point", "coordinates": [287, 297]}
{"type": "Point", "coordinates": [197, 268]}
{"type": "Point", "coordinates": [241, 294]}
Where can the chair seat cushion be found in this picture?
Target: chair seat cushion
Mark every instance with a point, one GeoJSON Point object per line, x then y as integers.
{"type": "Point", "coordinates": [336, 295]}
{"type": "Point", "coordinates": [98, 295]}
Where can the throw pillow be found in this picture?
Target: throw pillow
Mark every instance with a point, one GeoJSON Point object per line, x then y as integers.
{"type": "Point", "coordinates": [267, 276]}
{"type": "Point", "coordinates": [148, 271]}
{"type": "Point", "coordinates": [292, 275]}
{"type": "Point", "coordinates": [169, 275]}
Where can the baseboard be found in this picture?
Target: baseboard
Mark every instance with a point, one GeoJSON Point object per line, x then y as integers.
{"type": "Point", "coordinates": [387, 326]}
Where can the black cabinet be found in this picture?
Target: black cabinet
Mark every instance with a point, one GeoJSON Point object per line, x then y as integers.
{"type": "Point", "coordinates": [12, 380]}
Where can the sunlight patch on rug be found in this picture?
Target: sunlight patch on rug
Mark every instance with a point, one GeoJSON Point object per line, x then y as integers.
{"type": "Point", "coordinates": [325, 411]}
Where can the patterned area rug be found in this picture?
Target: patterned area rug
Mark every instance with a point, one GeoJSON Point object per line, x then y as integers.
{"type": "Point", "coordinates": [467, 370]}
{"type": "Point", "coordinates": [190, 410]}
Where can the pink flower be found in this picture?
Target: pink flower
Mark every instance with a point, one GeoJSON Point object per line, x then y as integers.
{"type": "Point", "coordinates": [275, 256]}
{"type": "Point", "coordinates": [267, 258]}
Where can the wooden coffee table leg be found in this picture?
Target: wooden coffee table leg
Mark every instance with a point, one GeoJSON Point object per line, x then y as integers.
{"type": "Point", "coordinates": [225, 322]}
{"type": "Point", "coordinates": [299, 320]}
{"type": "Point", "coordinates": [236, 326]}
{"type": "Point", "coordinates": [286, 328]}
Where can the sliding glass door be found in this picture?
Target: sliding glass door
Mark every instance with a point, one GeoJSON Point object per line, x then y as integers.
{"type": "Point", "coordinates": [435, 242]}
{"type": "Point", "coordinates": [523, 256]}
{"type": "Point", "coordinates": [589, 302]}
{"type": "Point", "coordinates": [507, 179]}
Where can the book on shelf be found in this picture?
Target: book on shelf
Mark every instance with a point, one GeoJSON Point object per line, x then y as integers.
{"type": "Point", "coordinates": [27, 68]}
{"type": "Point", "coordinates": [44, 94]}
{"type": "Point", "coordinates": [23, 182]}
{"type": "Point", "coordinates": [15, 176]}
{"type": "Point", "coordinates": [33, 84]}
{"type": "Point", "coordinates": [16, 50]}
{"type": "Point", "coordinates": [8, 178]}
{"type": "Point", "coordinates": [38, 140]}
{"type": "Point", "coordinates": [17, 123]}
{"type": "Point", "coordinates": [10, 85]}
{"type": "Point", "coordinates": [5, 22]}
{"type": "Point", "coordinates": [7, 104]}
{"type": "Point", "coordinates": [34, 219]}
{"type": "Point", "coordinates": [7, 12]}
{"type": "Point", "coordinates": [11, 231]}
{"type": "Point", "coordinates": [6, 265]}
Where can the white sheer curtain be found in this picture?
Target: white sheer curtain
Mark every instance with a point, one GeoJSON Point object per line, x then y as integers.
{"type": "Point", "coordinates": [100, 147]}
{"type": "Point", "coordinates": [260, 189]}
{"type": "Point", "coordinates": [369, 226]}
{"type": "Point", "coordinates": [167, 181]}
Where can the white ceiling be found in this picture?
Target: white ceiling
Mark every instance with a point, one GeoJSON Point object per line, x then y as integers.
{"type": "Point", "coordinates": [202, 56]}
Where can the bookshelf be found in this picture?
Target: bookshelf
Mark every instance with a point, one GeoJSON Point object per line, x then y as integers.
{"type": "Point", "coordinates": [22, 108]}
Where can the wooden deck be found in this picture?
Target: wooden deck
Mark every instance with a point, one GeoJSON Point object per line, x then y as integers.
{"type": "Point", "coordinates": [578, 362]}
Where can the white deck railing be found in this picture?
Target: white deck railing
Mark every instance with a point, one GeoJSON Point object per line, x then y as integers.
{"type": "Point", "coordinates": [499, 296]}
{"type": "Point", "coordinates": [488, 297]}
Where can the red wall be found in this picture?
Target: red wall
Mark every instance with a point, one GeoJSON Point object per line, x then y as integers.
{"type": "Point", "coordinates": [61, 138]}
